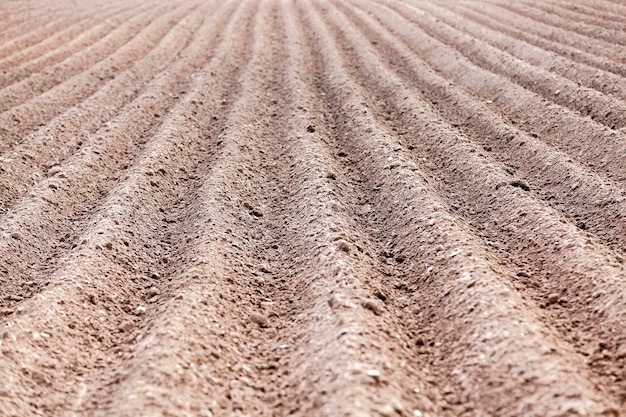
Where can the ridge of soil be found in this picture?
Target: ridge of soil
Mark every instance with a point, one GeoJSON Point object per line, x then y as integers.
{"type": "Point", "coordinates": [312, 208]}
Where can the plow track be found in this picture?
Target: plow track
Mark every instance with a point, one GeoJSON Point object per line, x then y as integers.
{"type": "Point", "coordinates": [312, 208]}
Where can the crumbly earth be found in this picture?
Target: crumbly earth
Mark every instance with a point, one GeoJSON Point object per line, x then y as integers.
{"type": "Point", "coordinates": [312, 208]}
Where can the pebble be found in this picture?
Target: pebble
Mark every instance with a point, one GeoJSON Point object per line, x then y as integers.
{"type": "Point", "coordinates": [375, 306]}
{"type": "Point", "coordinates": [386, 410]}
{"type": "Point", "coordinates": [126, 326]}
{"type": "Point", "coordinates": [374, 373]}
{"type": "Point", "coordinates": [520, 184]}
{"type": "Point", "coordinates": [140, 310]}
{"type": "Point", "coordinates": [343, 246]}
{"type": "Point", "coordinates": [259, 319]}
{"type": "Point", "coordinates": [54, 170]}
{"type": "Point", "coordinates": [335, 302]}
{"type": "Point", "coordinates": [553, 299]}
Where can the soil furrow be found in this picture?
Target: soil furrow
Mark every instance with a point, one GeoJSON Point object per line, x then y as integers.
{"type": "Point", "coordinates": [584, 140]}
{"type": "Point", "coordinates": [69, 82]}
{"type": "Point", "coordinates": [64, 202]}
{"type": "Point", "coordinates": [570, 38]}
{"type": "Point", "coordinates": [22, 38]}
{"type": "Point", "coordinates": [498, 21]}
{"type": "Point", "coordinates": [582, 13]}
{"type": "Point", "coordinates": [442, 242]}
{"type": "Point", "coordinates": [587, 75]}
{"type": "Point", "coordinates": [37, 58]}
{"type": "Point", "coordinates": [121, 255]}
{"type": "Point", "coordinates": [601, 9]}
{"type": "Point", "coordinates": [29, 162]}
{"type": "Point", "coordinates": [572, 21]}
{"type": "Point", "coordinates": [590, 201]}
{"type": "Point", "coordinates": [603, 108]}
{"type": "Point", "coordinates": [470, 178]}
{"type": "Point", "coordinates": [312, 208]}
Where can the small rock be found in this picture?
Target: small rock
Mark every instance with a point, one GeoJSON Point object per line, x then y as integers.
{"type": "Point", "coordinates": [335, 302]}
{"type": "Point", "coordinates": [152, 291]}
{"type": "Point", "coordinates": [343, 246]}
{"type": "Point", "coordinates": [375, 306]}
{"type": "Point", "coordinates": [310, 128]}
{"type": "Point", "coordinates": [520, 184]}
{"type": "Point", "coordinates": [553, 299]}
{"type": "Point", "coordinates": [108, 245]}
{"type": "Point", "coordinates": [331, 176]}
{"type": "Point", "coordinates": [386, 410]}
{"type": "Point", "coordinates": [374, 373]}
{"type": "Point", "coordinates": [259, 319]}
{"type": "Point", "coordinates": [265, 270]}
{"type": "Point", "coordinates": [141, 310]}
{"type": "Point", "coordinates": [126, 326]}
{"type": "Point", "coordinates": [16, 235]}
{"type": "Point", "coordinates": [54, 170]}
{"type": "Point", "coordinates": [155, 275]}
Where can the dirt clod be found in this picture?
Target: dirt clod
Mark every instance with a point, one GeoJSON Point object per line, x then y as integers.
{"type": "Point", "coordinates": [376, 306]}
{"type": "Point", "coordinates": [258, 318]}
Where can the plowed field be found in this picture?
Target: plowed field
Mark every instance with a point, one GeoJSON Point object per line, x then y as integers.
{"type": "Point", "coordinates": [312, 208]}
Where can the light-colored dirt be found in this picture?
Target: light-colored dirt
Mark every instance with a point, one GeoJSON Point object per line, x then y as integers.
{"type": "Point", "coordinates": [312, 208]}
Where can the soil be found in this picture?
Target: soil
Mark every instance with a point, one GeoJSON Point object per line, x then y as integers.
{"type": "Point", "coordinates": [312, 208]}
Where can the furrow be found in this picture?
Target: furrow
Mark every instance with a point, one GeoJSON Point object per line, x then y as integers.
{"type": "Point", "coordinates": [533, 236]}
{"type": "Point", "coordinates": [28, 163]}
{"type": "Point", "coordinates": [364, 363]}
{"type": "Point", "coordinates": [603, 9]}
{"type": "Point", "coordinates": [539, 76]}
{"type": "Point", "coordinates": [570, 38]}
{"type": "Point", "coordinates": [116, 265]}
{"type": "Point", "coordinates": [586, 25]}
{"type": "Point", "coordinates": [57, 49]}
{"type": "Point", "coordinates": [589, 200]}
{"type": "Point", "coordinates": [464, 303]}
{"type": "Point", "coordinates": [69, 81]}
{"type": "Point", "coordinates": [581, 13]}
{"type": "Point", "coordinates": [501, 22]}
{"type": "Point", "coordinates": [38, 32]}
{"type": "Point", "coordinates": [583, 73]}
{"type": "Point", "coordinates": [584, 140]}
{"type": "Point", "coordinates": [66, 200]}
{"type": "Point", "coordinates": [58, 37]}
{"type": "Point", "coordinates": [237, 358]}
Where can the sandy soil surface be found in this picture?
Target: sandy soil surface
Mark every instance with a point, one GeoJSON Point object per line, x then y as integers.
{"type": "Point", "coordinates": [312, 208]}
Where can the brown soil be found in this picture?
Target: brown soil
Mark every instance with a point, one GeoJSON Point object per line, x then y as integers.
{"type": "Point", "coordinates": [312, 208]}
